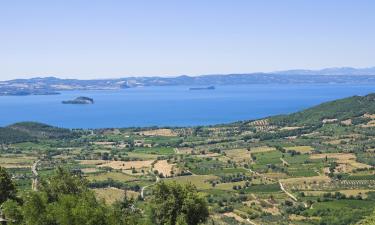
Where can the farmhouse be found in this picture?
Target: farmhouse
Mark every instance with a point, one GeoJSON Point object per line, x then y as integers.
{"type": "Point", "coordinates": [138, 143]}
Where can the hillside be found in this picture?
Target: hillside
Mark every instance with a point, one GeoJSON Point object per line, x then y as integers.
{"type": "Point", "coordinates": [41, 130]}
{"type": "Point", "coordinates": [8, 135]}
{"type": "Point", "coordinates": [349, 108]}
{"type": "Point", "coordinates": [332, 71]}
{"type": "Point", "coordinates": [31, 131]}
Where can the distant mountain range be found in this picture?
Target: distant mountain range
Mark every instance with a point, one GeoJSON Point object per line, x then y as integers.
{"type": "Point", "coordinates": [53, 85]}
{"type": "Point", "coordinates": [331, 71]}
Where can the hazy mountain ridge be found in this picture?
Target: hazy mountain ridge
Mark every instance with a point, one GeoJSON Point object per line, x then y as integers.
{"type": "Point", "coordinates": [52, 85]}
{"type": "Point", "coordinates": [331, 71]}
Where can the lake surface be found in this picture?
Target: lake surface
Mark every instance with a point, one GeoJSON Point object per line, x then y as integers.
{"type": "Point", "coordinates": [171, 106]}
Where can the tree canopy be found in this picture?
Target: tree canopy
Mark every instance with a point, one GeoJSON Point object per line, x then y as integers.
{"type": "Point", "coordinates": [7, 187]}
{"type": "Point", "coordinates": [65, 199]}
{"type": "Point", "coordinates": [178, 204]}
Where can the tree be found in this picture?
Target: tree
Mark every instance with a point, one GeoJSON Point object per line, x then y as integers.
{"type": "Point", "coordinates": [34, 210]}
{"type": "Point", "coordinates": [12, 210]}
{"type": "Point", "coordinates": [65, 199]}
{"type": "Point", "coordinates": [7, 187]}
{"type": "Point", "coordinates": [63, 182]}
{"type": "Point", "coordinates": [195, 208]}
{"type": "Point", "coordinates": [178, 204]}
{"type": "Point", "coordinates": [125, 211]}
{"type": "Point", "coordinates": [78, 209]}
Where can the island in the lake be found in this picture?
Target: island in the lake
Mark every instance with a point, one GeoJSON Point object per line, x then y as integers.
{"type": "Point", "coordinates": [80, 100]}
{"type": "Point", "coordinates": [202, 88]}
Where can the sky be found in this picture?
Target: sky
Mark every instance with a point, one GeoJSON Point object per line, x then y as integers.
{"type": "Point", "coordinates": [118, 38]}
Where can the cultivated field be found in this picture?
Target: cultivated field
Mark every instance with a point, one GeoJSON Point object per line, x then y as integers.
{"type": "Point", "coordinates": [126, 165]}
{"type": "Point", "coordinates": [159, 132]}
{"type": "Point", "coordinates": [163, 167]}
{"type": "Point", "coordinates": [111, 195]}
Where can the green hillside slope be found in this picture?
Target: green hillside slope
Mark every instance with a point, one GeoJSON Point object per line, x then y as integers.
{"type": "Point", "coordinates": [342, 109]}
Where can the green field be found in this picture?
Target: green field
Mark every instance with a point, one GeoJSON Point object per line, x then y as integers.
{"type": "Point", "coordinates": [155, 150]}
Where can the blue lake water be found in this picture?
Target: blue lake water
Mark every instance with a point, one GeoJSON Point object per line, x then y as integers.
{"type": "Point", "coordinates": [171, 106]}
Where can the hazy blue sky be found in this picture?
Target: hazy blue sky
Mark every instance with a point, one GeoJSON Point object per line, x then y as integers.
{"type": "Point", "coordinates": [107, 38]}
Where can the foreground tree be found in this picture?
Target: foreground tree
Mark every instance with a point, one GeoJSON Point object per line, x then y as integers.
{"type": "Point", "coordinates": [177, 204]}
{"type": "Point", "coordinates": [63, 182]}
{"type": "Point", "coordinates": [7, 187]}
{"type": "Point", "coordinates": [125, 211]}
{"type": "Point", "coordinates": [63, 199]}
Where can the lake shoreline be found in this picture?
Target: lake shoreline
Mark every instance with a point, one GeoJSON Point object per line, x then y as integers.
{"type": "Point", "coordinates": [172, 106]}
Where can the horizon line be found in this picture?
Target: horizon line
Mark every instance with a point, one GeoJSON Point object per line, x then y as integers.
{"type": "Point", "coordinates": [192, 75]}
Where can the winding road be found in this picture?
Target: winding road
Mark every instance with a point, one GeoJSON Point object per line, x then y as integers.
{"type": "Point", "coordinates": [281, 187]}
{"type": "Point", "coordinates": [143, 188]}
{"type": "Point", "coordinates": [259, 174]}
{"type": "Point", "coordinates": [290, 194]}
{"type": "Point", "coordinates": [287, 193]}
{"type": "Point", "coordinates": [35, 181]}
{"type": "Point", "coordinates": [284, 162]}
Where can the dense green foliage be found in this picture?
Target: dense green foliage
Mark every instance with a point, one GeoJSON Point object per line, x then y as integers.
{"type": "Point", "coordinates": [8, 135]}
{"type": "Point", "coordinates": [42, 130]}
{"type": "Point", "coordinates": [177, 204]}
{"type": "Point", "coordinates": [342, 109]}
{"type": "Point", "coordinates": [64, 199]}
{"type": "Point", "coordinates": [7, 188]}
{"type": "Point", "coordinates": [341, 211]}
{"type": "Point", "coordinates": [30, 132]}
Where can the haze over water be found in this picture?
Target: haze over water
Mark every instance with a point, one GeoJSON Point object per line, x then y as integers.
{"type": "Point", "coordinates": [171, 106]}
